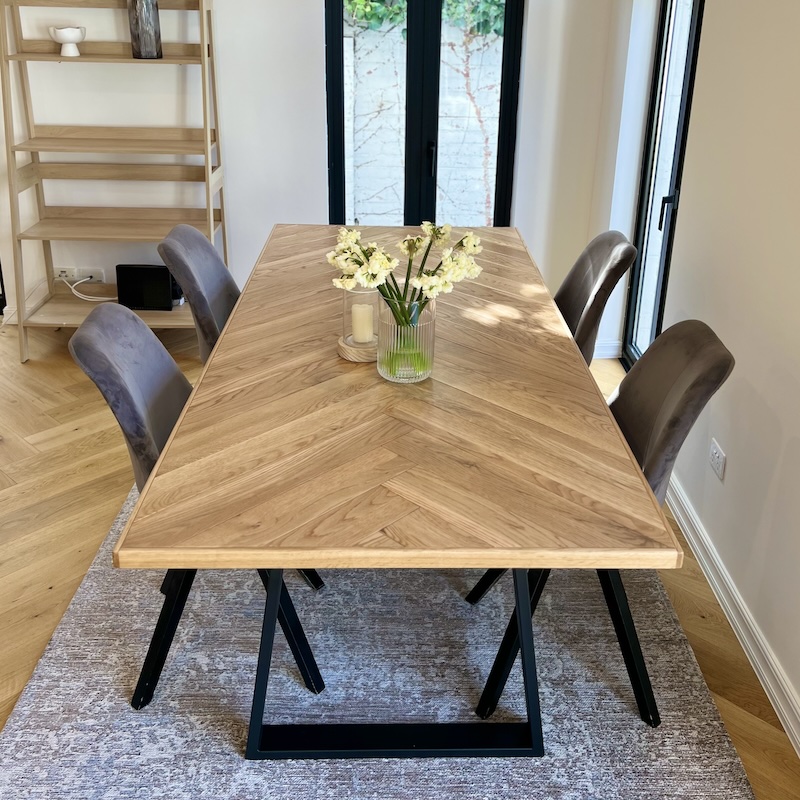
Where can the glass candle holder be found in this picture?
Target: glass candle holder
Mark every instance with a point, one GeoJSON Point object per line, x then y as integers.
{"type": "Point", "coordinates": [359, 340]}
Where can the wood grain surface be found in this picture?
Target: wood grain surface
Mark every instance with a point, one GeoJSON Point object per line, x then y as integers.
{"type": "Point", "coordinates": [45, 555]}
{"type": "Point", "coordinates": [288, 456]}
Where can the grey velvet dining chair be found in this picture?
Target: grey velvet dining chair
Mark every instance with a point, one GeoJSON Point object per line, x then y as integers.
{"type": "Point", "coordinates": [583, 295]}
{"type": "Point", "coordinates": [211, 293]}
{"type": "Point", "coordinates": [655, 406]}
{"type": "Point", "coordinates": [146, 392]}
{"type": "Point", "coordinates": [207, 284]}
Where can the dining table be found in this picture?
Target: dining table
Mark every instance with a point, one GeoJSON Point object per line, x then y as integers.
{"type": "Point", "coordinates": [287, 456]}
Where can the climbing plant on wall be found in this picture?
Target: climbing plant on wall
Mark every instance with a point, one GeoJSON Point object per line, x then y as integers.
{"type": "Point", "coordinates": [476, 17]}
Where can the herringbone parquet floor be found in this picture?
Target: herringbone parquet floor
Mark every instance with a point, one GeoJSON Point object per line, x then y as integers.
{"type": "Point", "coordinates": [64, 472]}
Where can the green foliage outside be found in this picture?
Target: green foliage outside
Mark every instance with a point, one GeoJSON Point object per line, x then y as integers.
{"type": "Point", "coordinates": [476, 17]}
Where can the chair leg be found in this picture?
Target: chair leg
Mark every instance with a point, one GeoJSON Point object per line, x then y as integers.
{"type": "Point", "coordinates": [617, 602]}
{"type": "Point", "coordinates": [489, 579]}
{"type": "Point", "coordinates": [509, 647]}
{"type": "Point", "coordinates": [296, 638]}
{"type": "Point", "coordinates": [312, 578]}
{"type": "Point", "coordinates": [176, 587]}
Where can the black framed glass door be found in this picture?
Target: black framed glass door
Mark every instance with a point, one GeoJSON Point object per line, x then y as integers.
{"type": "Point", "coordinates": [675, 64]}
{"type": "Point", "coordinates": [422, 107]}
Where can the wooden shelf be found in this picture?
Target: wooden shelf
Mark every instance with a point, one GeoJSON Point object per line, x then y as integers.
{"type": "Point", "coordinates": [79, 224]}
{"type": "Point", "coordinates": [90, 139]}
{"type": "Point", "coordinates": [104, 53]}
{"type": "Point", "coordinates": [47, 144]}
{"type": "Point", "coordinates": [54, 306]}
{"type": "Point", "coordinates": [163, 5]}
{"type": "Point", "coordinates": [64, 310]}
{"type": "Point", "coordinates": [102, 59]}
{"type": "Point", "coordinates": [76, 171]}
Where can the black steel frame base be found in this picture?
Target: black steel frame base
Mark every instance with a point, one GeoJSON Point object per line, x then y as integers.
{"type": "Point", "coordinates": [312, 578]}
{"type": "Point", "coordinates": [620, 612]}
{"type": "Point", "coordinates": [488, 579]}
{"type": "Point", "coordinates": [175, 587]}
{"type": "Point", "coordinates": [395, 740]}
{"type": "Point", "coordinates": [401, 740]}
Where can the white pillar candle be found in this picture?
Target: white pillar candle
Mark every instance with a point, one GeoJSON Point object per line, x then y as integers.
{"type": "Point", "coordinates": [361, 314]}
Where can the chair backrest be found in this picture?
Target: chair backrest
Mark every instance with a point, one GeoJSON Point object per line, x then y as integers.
{"type": "Point", "coordinates": [206, 282]}
{"type": "Point", "coordinates": [659, 400]}
{"type": "Point", "coordinates": [136, 375]}
{"type": "Point", "coordinates": [584, 293]}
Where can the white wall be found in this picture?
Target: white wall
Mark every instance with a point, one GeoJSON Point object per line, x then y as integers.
{"type": "Point", "coordinates": [272, 101]}
{"type": "Point", "coordinates": [561, 93]}
{"type": "Point", "coordinates": [583, 97]}
{"type": "Point", "coordinates": [735, 266]}
{"type": "Point", "coordinates": [272, 96]}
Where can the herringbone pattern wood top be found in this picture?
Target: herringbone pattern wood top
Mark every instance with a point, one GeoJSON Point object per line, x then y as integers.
{"type": "Point", "coordinates": [288, 456]}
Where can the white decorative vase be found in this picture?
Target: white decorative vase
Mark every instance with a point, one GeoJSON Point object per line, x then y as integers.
{"type": "Point", "coordinates": [68, 38]}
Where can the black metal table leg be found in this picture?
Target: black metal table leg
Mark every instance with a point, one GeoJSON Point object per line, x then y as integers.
{"type": "Point", "coordinates": [404, 740]}
{"type": "Point", "coordinates": [312, 578]}
{"type": "Point", "coordinates": [296, 637]}
{"type": "Point", "coordinates": [617, 602]}
{"type": "Point", "coordinates": [509, 647]}
{"type": "Point", "coordinates": [489, 579]}
{"type": "Point", "coordinates": [274, 583]}
{"type": "Point", "coordinates": [523, 593]}
{"type": "Point", "coordinates": [176, 586]}
{"type": "Point", "coordinates": [169, 578]}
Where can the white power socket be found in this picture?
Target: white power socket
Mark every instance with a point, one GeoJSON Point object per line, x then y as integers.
{"type": "Point", "coordinates": [717, 459]}
{"type": "Point", "coordinates": [73, 274]}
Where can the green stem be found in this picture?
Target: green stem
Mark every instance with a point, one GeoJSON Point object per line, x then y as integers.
{"type": "Point", "coordinates": [393, 304]}
{"type": "Point", "coordinates": [425, 257]}
{"type": "Point", "coordinates": [396, 287]}
{"type": "Point", "coordinates": [408, 276]}
{"type": "Point", "coordinates": [399, 297]}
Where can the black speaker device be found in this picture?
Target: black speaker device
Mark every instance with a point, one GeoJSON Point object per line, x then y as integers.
{"type": "Point", "coordinates": [147, 287]}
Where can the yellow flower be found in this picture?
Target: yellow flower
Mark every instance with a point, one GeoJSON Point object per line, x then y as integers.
{"type": "Point", "coordinates": [437, 234]}
{"type": "Point", "coordinates": [471, 244]}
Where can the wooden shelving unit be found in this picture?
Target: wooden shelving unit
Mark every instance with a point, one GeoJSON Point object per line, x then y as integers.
{"type": "Point", "coordinates": [64, 310]}
{"type": "Point", "coordinates": [58, 307]}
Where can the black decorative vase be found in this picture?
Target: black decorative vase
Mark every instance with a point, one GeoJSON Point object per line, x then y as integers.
{"type": "Point", "coordinates": [145, 28]}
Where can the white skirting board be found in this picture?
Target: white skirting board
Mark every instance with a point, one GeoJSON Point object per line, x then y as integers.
{"type": "Point", "coordinates": [783, 696]}
{"type": "Point", "coordinates": [608, 349]}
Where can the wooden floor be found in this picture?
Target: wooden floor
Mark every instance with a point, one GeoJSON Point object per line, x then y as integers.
{"type": "Point", "coordinates": [64, 472]}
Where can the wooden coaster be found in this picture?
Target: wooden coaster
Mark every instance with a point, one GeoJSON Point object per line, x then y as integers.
{"type": "Point", "coordinates": [359, 354]}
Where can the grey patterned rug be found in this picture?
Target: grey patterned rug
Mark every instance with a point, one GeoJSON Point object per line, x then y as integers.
{"type": "Point", "coordinates": [391, 645]}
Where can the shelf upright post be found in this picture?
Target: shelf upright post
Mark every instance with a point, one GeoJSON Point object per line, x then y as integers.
{"type": "Point", "coordinates": [216, 176]}
{"type": "Point", "coordinates": [208, 143]}
{"type": "Point", "coordinates": [13, 187]}
{"type": "Point", "coordinates": [25, 87]}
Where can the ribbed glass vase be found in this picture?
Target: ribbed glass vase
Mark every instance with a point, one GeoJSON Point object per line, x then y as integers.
{"type": "Point", "coordinates": [405, 341]}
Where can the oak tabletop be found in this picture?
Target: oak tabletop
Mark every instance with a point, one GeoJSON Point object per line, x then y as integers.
{"type": "Point", "coordinates": [288, 456]}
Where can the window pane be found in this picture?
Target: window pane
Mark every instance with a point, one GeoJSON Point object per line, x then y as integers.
{"type": "Point", "coordinates": [671, 99]}
{"type": "Point", "coordinates": [469, 111]}
{"type": "Point", "coordinates": [374, 112]}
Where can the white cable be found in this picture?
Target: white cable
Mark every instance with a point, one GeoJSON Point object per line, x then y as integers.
{"type": "Point", "coordinates": [86, 297]}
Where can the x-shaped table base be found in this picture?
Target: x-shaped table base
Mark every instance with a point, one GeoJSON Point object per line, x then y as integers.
{"type": "Point", "coordinates": [396, 740]}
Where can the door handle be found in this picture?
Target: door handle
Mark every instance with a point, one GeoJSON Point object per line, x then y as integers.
{"type": "Point", "coordinates": [668, 200]}
{"type": "Point", "coordinates": [432, 159]}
